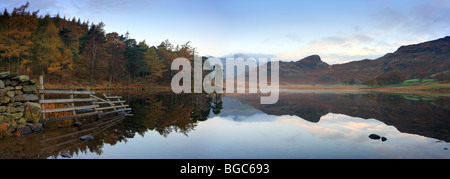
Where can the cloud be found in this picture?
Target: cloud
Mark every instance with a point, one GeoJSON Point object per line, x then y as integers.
{"type": "Point", "coordinates": [293, 37]}
{"type": "Point", "coordinates": [340, 49]}
{"type": "Point", "coordinates": [422, 18]}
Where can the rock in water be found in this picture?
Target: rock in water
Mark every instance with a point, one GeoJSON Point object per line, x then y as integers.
{"type": "Point", "coordinates": [37, 127]}
{"type": "Point", "coordinates": [23, 130]}
{"type": "Point", "coordinates": [374, 136]}
{"type": "Point", "coordinates": [383, 139]}
{"type": "Point", "coordinates": [86, 137]}
{"type": "Point", "coordinates": [65, 155]}
{"type": "Point", "coordinates": [77, 124]}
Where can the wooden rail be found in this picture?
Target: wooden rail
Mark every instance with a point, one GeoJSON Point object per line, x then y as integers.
{"type": "Point", "coordinates": [90, 101]}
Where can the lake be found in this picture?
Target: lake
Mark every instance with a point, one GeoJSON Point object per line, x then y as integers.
{"type": "Point", "coordinates": [303, 124]}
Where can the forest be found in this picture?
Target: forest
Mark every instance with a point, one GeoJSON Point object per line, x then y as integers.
{"type": "Point", "coordinates": [71, 51]}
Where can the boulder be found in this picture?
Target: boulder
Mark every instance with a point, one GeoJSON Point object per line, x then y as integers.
{"type": "Point", "coordinates": [2, 85]}
{"type": "Point", "coordinates": [26, 97]}
{"type": "Point", "coordinates": [2, 109]}
{"type": "Point", "coordinates": [23, 130]}
{"type": "Point", "coordinates": [32, 112]}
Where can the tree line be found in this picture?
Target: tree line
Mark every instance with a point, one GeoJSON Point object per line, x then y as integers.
{"type": "Point", "coordinates": [70, 50]}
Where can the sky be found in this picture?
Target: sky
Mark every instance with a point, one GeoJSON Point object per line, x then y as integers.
{"type": "Point", "coordinates": [338, 31]}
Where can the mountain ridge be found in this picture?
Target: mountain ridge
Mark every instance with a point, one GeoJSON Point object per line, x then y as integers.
{"type": "Point", "coordinates": [422, 59]}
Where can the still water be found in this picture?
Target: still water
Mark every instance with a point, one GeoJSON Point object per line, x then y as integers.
{"type": "Point", "coordinates": [301, 125]}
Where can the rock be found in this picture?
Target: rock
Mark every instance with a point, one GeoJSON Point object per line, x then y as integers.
{"type": "Point", "coordinates": [29, 89]}
{"type": "Point", "coordinates": [9, 88]}
{"type": "Point", "coordinates": [32, 112]}
{"type": "Point", "coordinates": [10, 94]}
{"type": "Point", "coordinates": [26, 97]}
{"type": "Point", "coordinates": [383, 139]}
{"type": "Point", "coordinates": [22, 121]}
{"type": "Point", "coordinates": [37, 127]}
{"type": "Point", "coordinates": [23, 130]}
{"type": "Point", "coordinates": [374, 136]}
{"type": "Point", "coordinates": [2, 109]}
{"type": "Point", "coordinates": [11, 109]}
{"type": "Point", "coordinates": [3, 92]}
{"type": "Point", "coordinates": [32, 82]}
{"type": "Point", "coordinates": [7, 82]}
{"type": "Point", "coordinates": [17, 116]}
{"type": "Point", "coordinates": [17, 104]}
{"type": "Point", "coordinates": [18, 87]}
{"type": "Point", "coordinates": [18, 92]}
{"type": "Point", "coordinates": [23, 78]}
{"type": "Point", "coordinates": [77, 124]}
{"type": "Point", "coordinates": [14, 83]}
{"type": "Point", "coordinates": [6, 114]}
{"type": "Point", "coordinates": [65, 154]}
{"type": "Point", "coordinates": [4, 74]}
{"type": "Point", "coordinates": [5, 99]}
{"type": "Point", "coordinates": [86, 137]}
{"type": "Point", "coordinates": [2, 85]}
{"type": "Point", "coordinates": [20, 109]}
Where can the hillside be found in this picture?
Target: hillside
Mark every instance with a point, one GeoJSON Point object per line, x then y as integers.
{"type": "Point", "coordinates": [424, 59]}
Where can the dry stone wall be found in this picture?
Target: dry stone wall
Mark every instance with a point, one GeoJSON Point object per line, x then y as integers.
{"type": "Point", "coordinates": [19, 108]}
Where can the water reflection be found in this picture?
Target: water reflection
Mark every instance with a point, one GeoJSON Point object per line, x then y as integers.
{"type": "Point", "coordinates": [300, 125]}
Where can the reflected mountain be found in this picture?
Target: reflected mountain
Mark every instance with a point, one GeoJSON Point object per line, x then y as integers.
{"type": "Point", "coordinates": [429, 118]}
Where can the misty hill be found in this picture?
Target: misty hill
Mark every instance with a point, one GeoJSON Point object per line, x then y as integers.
{"type": "Point", "coordinates": [424, 59]}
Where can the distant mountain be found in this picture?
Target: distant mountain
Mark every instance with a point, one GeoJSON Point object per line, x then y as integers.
{"type": "Point", "coordinates": [426, 58]}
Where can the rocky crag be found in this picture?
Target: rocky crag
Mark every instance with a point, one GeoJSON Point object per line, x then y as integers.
{"type": "Point", "coordinates": [19, 108]}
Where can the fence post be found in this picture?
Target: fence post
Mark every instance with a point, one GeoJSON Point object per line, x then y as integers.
{"type": "Point", "coordinates": [41, 86]}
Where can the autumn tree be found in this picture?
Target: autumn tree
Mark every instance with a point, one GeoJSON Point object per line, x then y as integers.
{"type": "Point", "coordinates": [115, 54]}
{"type": "Point", "coordinates": [20, 27]}
{"type": "Point", "coordinates": [91, 47]}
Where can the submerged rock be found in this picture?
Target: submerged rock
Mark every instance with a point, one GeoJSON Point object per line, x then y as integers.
{"type": "Point", "coordinates": [77, 124]}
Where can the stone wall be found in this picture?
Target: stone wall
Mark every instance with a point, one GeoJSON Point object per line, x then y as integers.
{"type": "Point", "coordinates": [19, 107]}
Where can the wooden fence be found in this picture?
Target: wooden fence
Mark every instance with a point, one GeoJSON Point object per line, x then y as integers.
{"type": "Point", "coordinates": [87, 105]}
